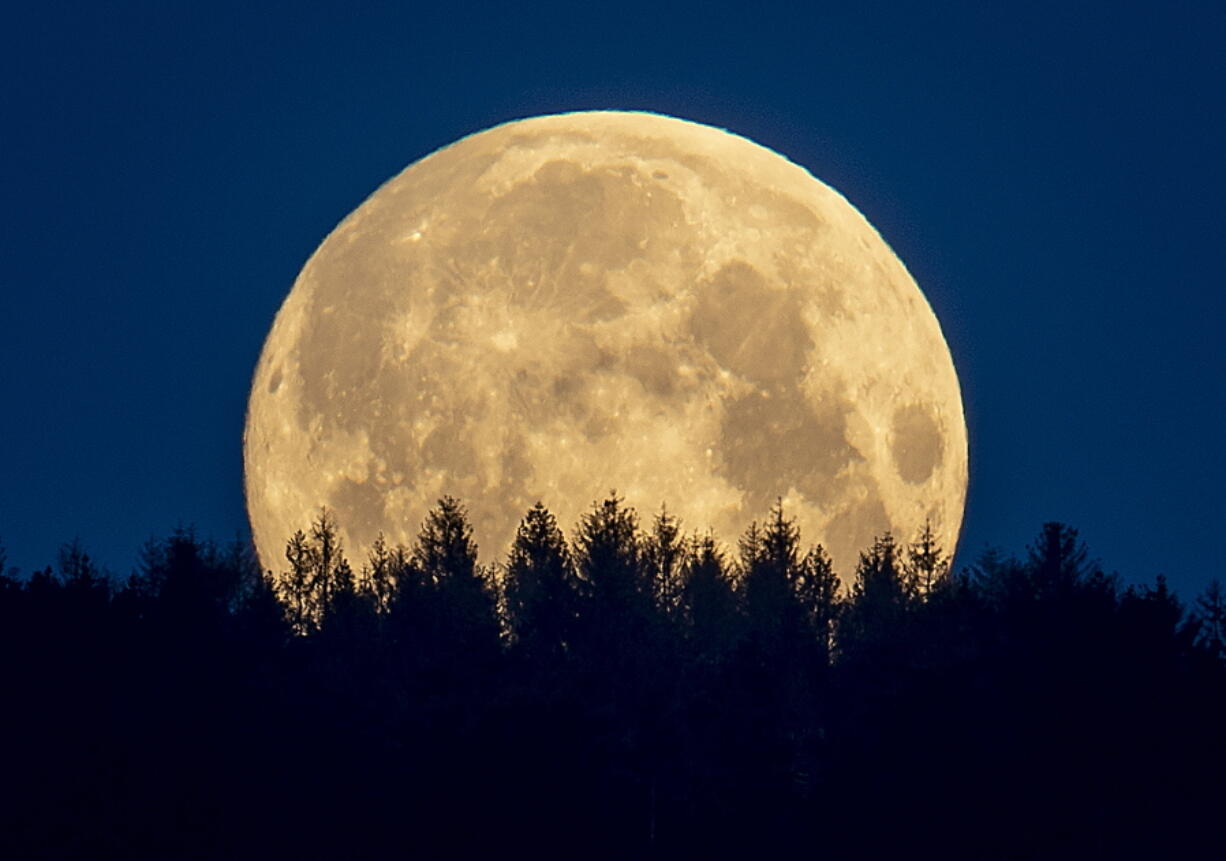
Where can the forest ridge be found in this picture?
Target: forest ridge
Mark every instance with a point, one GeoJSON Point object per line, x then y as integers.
{"type": "Point", "coordinates": [630, 690]}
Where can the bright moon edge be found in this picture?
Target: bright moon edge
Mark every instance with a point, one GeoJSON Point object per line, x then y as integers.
{"type": "Point", "coordinates": [569, 303]}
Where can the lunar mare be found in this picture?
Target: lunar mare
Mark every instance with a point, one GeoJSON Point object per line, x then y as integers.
{"type": "Point", "coordinates": [570, 304]}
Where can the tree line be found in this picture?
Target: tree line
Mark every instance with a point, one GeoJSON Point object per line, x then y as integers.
{"type": "Point", "coordinates": [628, 691]}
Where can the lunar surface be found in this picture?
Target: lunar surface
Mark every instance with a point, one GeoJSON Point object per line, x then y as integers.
{"type": "Point", "coordinates": [567, 305]}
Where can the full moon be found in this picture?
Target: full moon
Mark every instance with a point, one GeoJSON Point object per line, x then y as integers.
{"type": "Point", "coordinates": [566, 305]}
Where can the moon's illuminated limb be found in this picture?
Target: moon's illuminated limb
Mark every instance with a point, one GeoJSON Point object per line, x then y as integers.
{"type": "Point", "coordinates": [568, 304]}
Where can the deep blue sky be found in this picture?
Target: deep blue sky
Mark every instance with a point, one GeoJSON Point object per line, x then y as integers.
{"type": "Point", "coordinates": [1051, 174]}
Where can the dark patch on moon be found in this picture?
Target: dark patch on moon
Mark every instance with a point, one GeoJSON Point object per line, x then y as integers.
{"type": "Point", "coordinates": [597, 427]}
{"type": "Point", "coordinates": [274, 382]}
{"type": "Point", "coordinates": [448, 447]}
{"type": "Point", "coordinates": [853, 531]}
{"type": "Point", "coordinates": [502, 506]}
{"type": "Point", "coordinates": [751, 328]}
{"type": "Point", "coordinates": [774, 440]}
{"type": "Point", "coordinates": [362, 505]}
{"type": "Point", "coordinates": [566, 387]}
{"type": "Point", "coordinates": [918, 445]}
{"type": "Point", "coordinates": [655, 369]}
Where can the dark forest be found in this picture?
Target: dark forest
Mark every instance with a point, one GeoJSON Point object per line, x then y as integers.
{"type": "Point", "coordinates": [627, 691]}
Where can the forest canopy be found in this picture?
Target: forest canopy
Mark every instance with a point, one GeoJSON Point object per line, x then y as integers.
{"type": "Point", "coordinates": [626, 690]}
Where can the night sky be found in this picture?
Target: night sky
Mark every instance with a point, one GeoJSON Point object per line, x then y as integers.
{"type": "Point", "coordinates": [1051, 174]}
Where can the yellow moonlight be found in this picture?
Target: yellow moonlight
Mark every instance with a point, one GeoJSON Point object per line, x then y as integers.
{"type": "Point", "coordinates": [567, 304]}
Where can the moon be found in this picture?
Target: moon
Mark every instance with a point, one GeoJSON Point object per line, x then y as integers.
{"type": "Point", "coordinates": [569, 304]}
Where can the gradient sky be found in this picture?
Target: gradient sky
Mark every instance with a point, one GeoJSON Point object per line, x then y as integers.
{"type": "Point", "coordinates": [1051, 174]}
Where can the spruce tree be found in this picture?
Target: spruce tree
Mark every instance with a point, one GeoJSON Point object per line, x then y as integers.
{"type": "Point", "coordinates": [881, 596]}
{"type": "Point", "coordinates": [707, 603]}
{"type": "Point", "coordinates": [1211, 616]}
{"type": "Point", "coordinates": [444, 556]}
{"type": "Point", "coordinates": [540, 589]}
{"type": "Point", "coordinates": [926, 565]}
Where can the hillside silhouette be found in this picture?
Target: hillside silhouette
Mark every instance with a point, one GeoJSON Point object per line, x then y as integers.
{"type": "Point", "coordinates": [626, 691]}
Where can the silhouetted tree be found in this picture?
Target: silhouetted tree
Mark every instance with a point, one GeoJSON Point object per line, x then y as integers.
{"type": "Point", "coordinates": [999, 578]}
{"type": "Point", "coordinates": [456, 590]}
{"type": "Point", "coordinates": [926, 565]}
{"type": "Point", "coordinates": [541, 589]}
{"type": "Point", "coordinates": [260, 619]}
{"type": "Point", "coordinates": [818, 590]}
{"type": "Point", "coordinates": [665, 551]}
{"type": "Point", "coordinates": [378, 577]}
{"type": "Point", "coordinates": [616, 595]}
{"type": "Point", "coordinates": [1154, 621]}
{"type": "Point", "coordinates": [770, 578]}
{"type": "Point", "coordinates": [1211, 619]}
{"type": "Point", "coordinates": [880, 601]}
{"type": "Point", "coordinates": [780, 661]}
{"type": "Point", "coordinates": [319, 578]}
{"type": "Point", "coordinates": [627, 659]}
{"type": "Point", "coordinates": [707, 603]}
{"type": "Point", "coordinates": [1059, 567]}
{"type": "Point", "coordinates": [331, 578]}
{"type": "Point", "coordinates": [81, 577]}
{"type": "Point", "coordinates": [186, 585]}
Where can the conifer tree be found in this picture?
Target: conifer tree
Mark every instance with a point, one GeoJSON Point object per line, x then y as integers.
{"type": "Point", "coordinates": [926, 565]}
{"type": "Point", "coordinates": [818, 589]}
{"type": "Point", "coordinates": [79, 574]}
{"type": "Point", "coordinates": [774, 582]}
{"type": "Point", "coordinates": [331, 575]}
{"type": "Point", "coordinates": [294, 585]}
{"type": "Point", "coordinates": [881, 595]}
{"type": "Point", "coordinates": [665, 552]}
{"type": "Point", "coordinates": [707, 603]}
{"type": "Point", "coordinates": [1057, 562]}
{"type": "Point", "coordinates": [318, 575]}
{"type": "Point", "coordinates": [609, 564]}
{"type": "Point", "coordinates": [1211, 618]}
{"type": "Point", "coordinates": [617, 630]}
{"type": "Point", "coordinates": [444, 557]}
{"type": "Point", "coordinates": [540, 588]}
{"type": "Point", "coordinates": [378, 577]}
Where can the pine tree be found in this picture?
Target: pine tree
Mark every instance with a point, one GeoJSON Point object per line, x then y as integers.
{"type": "Point", "coordinates": [78, 572]}
{"type": "Point", "coordinates": [1211, 616]}
{"type": "Point", "coordinates": [881, 596]}
{"type": "Point", "coordinates": [707, 602]}
{"type": "Point", "coordinates": [769, 569]}
{"type": "Point", "coordinates": [378, 577]}
{"type": "Point", "coordinates": [665, 553]}
{"type": "Point", "coordinates": [293, 587]}
{"type": "Point", "coordinates": [817, 587]}
{"type": "Point", "coordinates": [616, 597]}
{"type": "Point", "coordinates": [444, 556]}
{"type": "Point", "coordinates": [540, 588]}
{"type": "Point", "coordinates": [926, 565]}
{"type": "Point", "coordinates": [331, 576]}
{"type": "Point", "coordinates": [1057, 563]}
{"type": "Point", "coordinates": [318, 576]}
